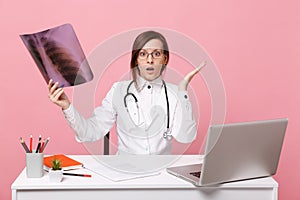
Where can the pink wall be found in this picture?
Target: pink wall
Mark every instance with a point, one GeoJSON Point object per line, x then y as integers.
{"type": "Point", "coordinates": [255, 45]}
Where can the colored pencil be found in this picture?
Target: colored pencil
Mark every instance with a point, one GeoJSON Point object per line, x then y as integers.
{"type": "Point", "coordinates": [30, 144]}
{"type": "Point", "coordinates": [24, 145]}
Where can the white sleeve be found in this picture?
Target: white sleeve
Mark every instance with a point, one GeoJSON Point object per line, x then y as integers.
{"type": "Point", "coordinates": [184, 127]}
{"type": "Point", "coordinates": [95, 127]}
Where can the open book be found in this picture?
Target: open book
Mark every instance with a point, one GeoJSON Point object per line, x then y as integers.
{"type": "Point", "coordinates": [58, 55]}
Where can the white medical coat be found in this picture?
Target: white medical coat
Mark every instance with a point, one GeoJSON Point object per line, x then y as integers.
{"type": "Point", "coordinates": [140, 129]}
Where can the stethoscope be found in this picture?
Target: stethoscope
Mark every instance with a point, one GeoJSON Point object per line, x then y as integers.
{"type": "Point", "coordinates": [167, 134]}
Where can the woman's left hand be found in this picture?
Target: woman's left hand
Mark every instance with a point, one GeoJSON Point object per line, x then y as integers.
{"type": "Point", "coordinates": [187, 79]}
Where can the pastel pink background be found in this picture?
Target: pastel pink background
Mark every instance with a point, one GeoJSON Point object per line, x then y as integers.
{"type": "Point", "coordinates": [255, 45]}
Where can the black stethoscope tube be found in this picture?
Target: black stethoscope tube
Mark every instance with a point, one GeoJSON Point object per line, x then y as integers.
{"type": "Point", "coordinates": [166, 134]}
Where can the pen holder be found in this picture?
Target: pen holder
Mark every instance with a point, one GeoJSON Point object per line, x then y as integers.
{"type": "Point", "coordinates": [34, 165]}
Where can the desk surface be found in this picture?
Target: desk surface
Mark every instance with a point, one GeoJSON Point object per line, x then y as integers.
{"type": "Point", "coordinates": [163, 180]}
{"type": "Point", "coordinates": [159, 187]}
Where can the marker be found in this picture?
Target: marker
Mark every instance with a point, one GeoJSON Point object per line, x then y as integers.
{"type": "Point", "coordinates": [24, 145]}
{"type": "Point", "coordinates": [70, 174]}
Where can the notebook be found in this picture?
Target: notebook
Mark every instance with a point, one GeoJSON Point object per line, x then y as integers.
{"type": "Point", "coordinates": [236, 152]}
{"type": "Point", "coordinates": [67, 163]}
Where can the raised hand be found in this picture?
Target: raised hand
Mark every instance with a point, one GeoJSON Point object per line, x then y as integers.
{"type": "Point", "coordinates": [57, 95]}
{"type": "Point", "coordinates": [187, 79]}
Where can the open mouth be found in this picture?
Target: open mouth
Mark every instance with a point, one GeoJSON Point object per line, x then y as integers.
{"type": "Point", "coordinates": [150, 68]}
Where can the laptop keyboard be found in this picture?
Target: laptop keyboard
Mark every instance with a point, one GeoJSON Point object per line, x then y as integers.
{"type": "Point", "coordinates": [197, 174]}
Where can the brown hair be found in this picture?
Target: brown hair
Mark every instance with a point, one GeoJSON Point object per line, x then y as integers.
{"type": "Point", "coordinates": [140, 42]}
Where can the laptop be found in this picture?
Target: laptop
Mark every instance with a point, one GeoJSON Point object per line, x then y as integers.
{"type": "Point", "coordinates": [235, 152]}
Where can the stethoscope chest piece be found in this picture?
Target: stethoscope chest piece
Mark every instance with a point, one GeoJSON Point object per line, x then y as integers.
{"type": "Point", "coordinates": [167, 135]}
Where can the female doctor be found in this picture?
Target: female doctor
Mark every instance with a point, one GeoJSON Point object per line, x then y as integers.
{"type": "Point", "coordinates": [148, 112]}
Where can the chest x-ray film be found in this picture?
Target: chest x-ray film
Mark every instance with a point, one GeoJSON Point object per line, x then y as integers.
{"type": "Point", "coordinates": [58, 55]}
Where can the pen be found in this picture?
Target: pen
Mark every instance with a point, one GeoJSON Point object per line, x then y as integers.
{"type": "Point", "coordinates": [30, 144]}
{"type": "Point", "coordinates": [46, 142]}
{"type": "Point", "coordinates": [39, 144]}
{"type": "Point", "coordinates": [24, 145]}
{"type": "Point", "coordinates": [70, 174]}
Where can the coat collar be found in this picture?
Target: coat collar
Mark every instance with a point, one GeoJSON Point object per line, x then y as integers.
{"type": "Point", "coordinates": [142, 83]}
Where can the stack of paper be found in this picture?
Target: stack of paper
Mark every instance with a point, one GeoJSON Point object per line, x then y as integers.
{"type": "Point", "coordinates": [117, 175]}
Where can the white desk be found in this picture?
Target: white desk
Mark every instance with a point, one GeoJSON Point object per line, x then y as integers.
{"type": "Point", "coordinates": [163, 186]}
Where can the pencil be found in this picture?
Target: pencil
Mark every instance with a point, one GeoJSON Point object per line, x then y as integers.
{"type": "Point", "coordinates": [30, 144]}
{"type": "Point", "coordinates": [42, 146]}
{"type": "Point", "coordinates": [24, 145]}
{"type": "Point", "coordinates": [70, 174]}
{"type": "Point", "coordinates": [39, 144]}
{"type": "Point", "coordinates": [46, 142]}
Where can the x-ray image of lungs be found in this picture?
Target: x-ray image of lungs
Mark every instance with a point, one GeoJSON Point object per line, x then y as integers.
{"type": "Point", "coordinates": [59, 56]}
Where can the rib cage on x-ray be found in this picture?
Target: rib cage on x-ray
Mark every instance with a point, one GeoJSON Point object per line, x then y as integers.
{"type": "Point", "coordinates": [60, 58]}
{"type": "Point", "coordinates": [58, 55]}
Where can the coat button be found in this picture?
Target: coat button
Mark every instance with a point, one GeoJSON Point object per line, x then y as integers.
{"type": "Point", "coordinates": [149, 86]}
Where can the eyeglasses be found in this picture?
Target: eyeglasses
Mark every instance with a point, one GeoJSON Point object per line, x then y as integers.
{"type": "Point", "coordinates": [156, 54]}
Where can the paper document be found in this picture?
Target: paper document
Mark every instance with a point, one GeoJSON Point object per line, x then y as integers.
{"type": "Point", "coordinates": [115, 175]}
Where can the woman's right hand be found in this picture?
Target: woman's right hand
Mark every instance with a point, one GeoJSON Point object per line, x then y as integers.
{"type": "Point", "coordinates": [57, 95]}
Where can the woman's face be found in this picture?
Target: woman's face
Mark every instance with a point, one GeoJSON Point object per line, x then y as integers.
{"type": "Point", "coordinates": [150, 60]}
